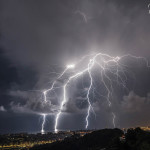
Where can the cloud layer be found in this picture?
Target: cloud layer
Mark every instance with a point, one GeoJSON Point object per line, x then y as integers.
{"type": "Point", "coordinates": [39, 38]}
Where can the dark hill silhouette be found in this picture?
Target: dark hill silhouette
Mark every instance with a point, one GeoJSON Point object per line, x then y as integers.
{"type": "Point", "coordinates": [97, 139]}
{"type": "Point", "coordinates": [106, 139]}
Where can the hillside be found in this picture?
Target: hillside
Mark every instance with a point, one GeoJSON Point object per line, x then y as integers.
{"type": "Point", "coordinates": [106, 139]}
{"type": "Point", "coordinates": [97, 139]}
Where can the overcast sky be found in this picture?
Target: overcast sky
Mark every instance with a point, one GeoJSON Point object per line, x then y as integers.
{"type": "Point", "coordinates": [39, 37]}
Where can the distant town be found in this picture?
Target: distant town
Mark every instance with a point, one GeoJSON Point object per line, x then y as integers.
{"type": "Point", "coordinates": [25, 141]}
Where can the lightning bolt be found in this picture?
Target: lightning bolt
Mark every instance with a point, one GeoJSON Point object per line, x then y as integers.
{"type": "Point", "coordinates": [43, 123]}
{"type": "Point", "coordinates": [88, 69]}
{"type": "Point", "coordinates": [64, 97]}
{"type": "Point", "coordinates": [82, 14]}
{"type": "Point", "coordinates": [88, 93]}
{"type": "Point", "coordinates": [45, 92]}
{"type": "Point", "coordinates": [114, 119]}
{"type": "Point", "coordinates": [107, 64]}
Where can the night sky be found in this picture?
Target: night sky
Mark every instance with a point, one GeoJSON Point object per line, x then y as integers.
{"type": "Point", "coordinates": [39, 38]}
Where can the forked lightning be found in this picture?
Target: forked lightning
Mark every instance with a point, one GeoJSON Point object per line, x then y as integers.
{"type": "Point", "coordinates": [105, 64]}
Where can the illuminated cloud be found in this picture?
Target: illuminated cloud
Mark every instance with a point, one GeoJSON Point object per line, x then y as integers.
{"type": "Point", "coordinates": [34, 107]}
{"type": "Point", "coordinates": [2, 109]}
{"type": "Point", "coordinates": [132, 103]}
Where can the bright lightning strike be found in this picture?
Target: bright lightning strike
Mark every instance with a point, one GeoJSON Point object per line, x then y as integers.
{"type": "Point", "coordinates": [88, 99]}
{"type": "Point", "coordinates": [70, 66]}
{"type": "Point", "coordinates": [43, 123]}
{"type": "Point", "coordinates": [107, 65]}
{"type": "Point", "coordinates": [106, 59]}
{"type": "Point", "coordinates": [64, 98]}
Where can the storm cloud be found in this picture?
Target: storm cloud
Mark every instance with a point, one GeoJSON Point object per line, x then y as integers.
{"type": "Point", "coordinates": [134, 103]}
{"type": "Point", "coordinates": [39, 38]}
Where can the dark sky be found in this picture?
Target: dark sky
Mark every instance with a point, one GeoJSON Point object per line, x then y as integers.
{"type": "Point", "coordinates": [40, 37]}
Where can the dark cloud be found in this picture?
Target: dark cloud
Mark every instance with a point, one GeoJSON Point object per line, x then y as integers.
{"type": "Point", "coordinates": [34, 107]}
{"type": "Point", "coordinates": [20, 94]}
{"type": "Point", "coordinates": [39, 34]}
{"type": "Point", "coordinates": [29, 102]}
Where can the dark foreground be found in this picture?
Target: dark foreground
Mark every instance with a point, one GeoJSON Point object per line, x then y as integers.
{"type": "Point", "coordinates": [107, 139]}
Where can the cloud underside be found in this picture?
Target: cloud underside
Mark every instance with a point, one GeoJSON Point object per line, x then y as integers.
{"type": "Point", "coordinates": [130, 104]}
